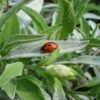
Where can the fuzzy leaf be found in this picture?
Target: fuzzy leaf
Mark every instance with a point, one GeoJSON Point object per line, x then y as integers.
{"type": "Point", "coordinates": [33, 49]}
{"type": "Point", "coordinates": [21, 38]}
{"type": "Point", "coordinates": [86, 59]}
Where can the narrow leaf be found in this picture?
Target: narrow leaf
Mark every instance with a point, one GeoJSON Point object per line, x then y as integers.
{"type": "Point", "coordinates": [79, 7]}
{"type": "Point", "coordinates": [49, 59]}
{"type": "Point", "coordinates": [85, 27]}
{"type": "Point", "coordinates": [86, 59]}
{"type": "Point", "coordinates": [37, 18]}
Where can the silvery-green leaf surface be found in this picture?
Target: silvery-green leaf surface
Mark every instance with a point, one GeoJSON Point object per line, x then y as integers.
{"type": "Point", "coordinates": [24, 18]}
{"type": "Point", "coordinates": [77, 35]}
{"type": "Point", "coordinates": [10, 89]}
{"type": "Point", "coordinates": [36, 5]}
{"type": "Point", "coordinates": [92, 16]}
{"type": "Point", "coordinates": [58, 95]}
{"type": "Point", "coordinates": [33, 49]}
{"type": "Point", "coordinates": [86, 59]}
{"type": "Point", "coordinates": [46, 95]}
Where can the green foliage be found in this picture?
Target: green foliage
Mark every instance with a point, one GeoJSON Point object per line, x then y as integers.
{"type": "Point", "coordinates": [10, 12]}
{"type": "Point", "coordinates": [79, 7]}
{"type": "Point", "coordinates": [49, 59]}
{"type": "Point", "coordinates": [71, 72]}
{"type": "Point", "coordinates": [37, 19]}
{"type": "Point", "coordinates": [85, 27]}
{"type": "Point", "coordinates": [28, 90]}
{"type": "Point", "coordinates": [11, 71]}
{"type": "Point", "coordinates": [10, 88]}
{"type": "Point", "coordinates": [65, 18]}
{"type": "Point", "coordinates": [8, 29]}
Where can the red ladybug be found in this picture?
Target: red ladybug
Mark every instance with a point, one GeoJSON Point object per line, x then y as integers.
{"type": "Point", "coordinates": [49, 47]}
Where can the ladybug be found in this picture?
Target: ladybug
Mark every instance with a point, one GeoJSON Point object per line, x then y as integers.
{"type": "Point", "coordinates": [49, 47]}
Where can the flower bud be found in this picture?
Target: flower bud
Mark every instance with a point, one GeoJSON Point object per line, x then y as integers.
{"type": "Point", "coordinates": [61, 71]}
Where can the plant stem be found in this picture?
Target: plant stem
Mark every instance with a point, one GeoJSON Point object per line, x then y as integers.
{"type": "Point", "coordinates": [7, 5]}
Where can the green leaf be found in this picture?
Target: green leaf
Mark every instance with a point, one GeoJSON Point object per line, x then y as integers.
{"type": "Point", "coordinates": [6, 16]}
{"type": "Point", "coordinates": [37, 18]}
{"type": "Point", "coordinates": [27, 90]}
{"type": "Point", "coordinates": [10, 72]}
{"type": "Point", "coordinates": [33, 49]}
{"type": "Point", "coordinates": [46, 95]}
{"type": "Point", "coordinates": [79, 7]}
{"type": "Point", "coordinates": [20, 39]}
{"type": "Point", "coordinates": [58, 85]}
{"type": "Point", "coordinates": [59, 92]}
{"type": "Point", "coordinates": [97, 71]}
{"type": "Point", "coordinates": [10, 89]}
{"type": "Point", "coordinates": [50, 59]}
{"type": "Point", "coordinates": [94, 42]}
{"type": "Point", "coordinates": [86, 59]}
{"type": "Point", "coordinates": [48, 81]}
{"type": "Point", "coordinates": [79, 71]}
{"type": "Point", "coordinates": [93, 82]}
{"type": "Point", "coordinates": [94, 90]}
{"type": "Point", "coordinates": [11, 27]}
{"type": "Point", "coordinates": [65, 18]}
{"type": "Point", "coordinates": [92, 7]}
{"type": "Point", "coordinates": [34, 80]}
{"type": "Point", "coordinates": [95, 30]}
{"type": "Point", "coordinates": [39, 84]}
{"type": "Point", "coordinates": [85, 27]}
{"type": "Point", "coordinates": [58, 95]}
{"type": "Point", "coordinates": [51, 31]}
